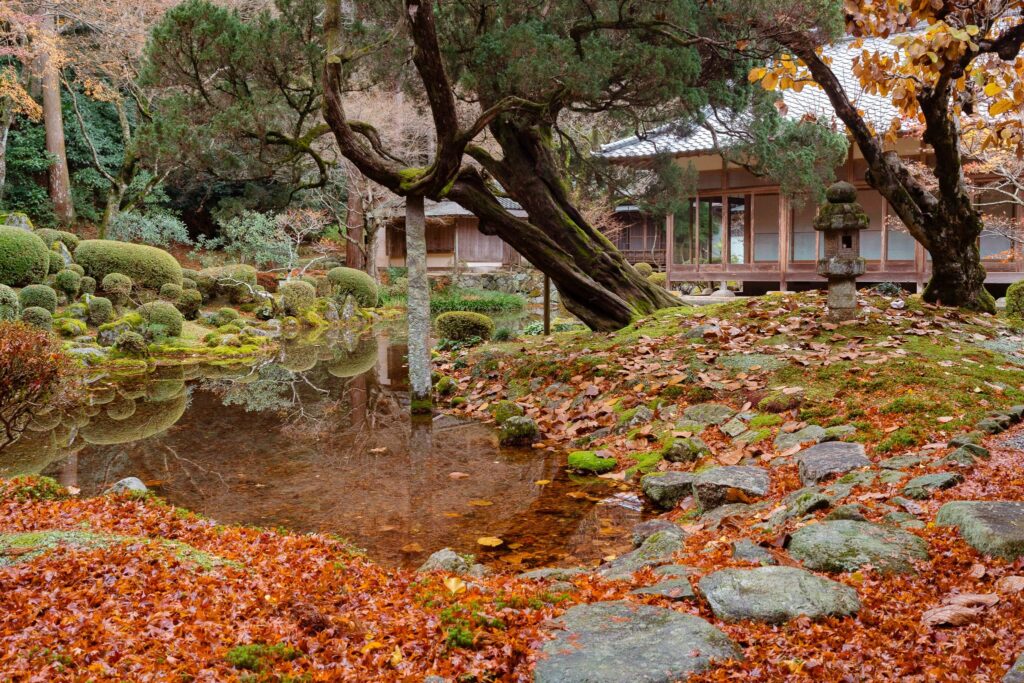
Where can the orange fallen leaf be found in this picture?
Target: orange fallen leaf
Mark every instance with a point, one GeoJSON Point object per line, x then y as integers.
{"type": "Point", "coordinates": [481, 503]}
{"type": "Point", "coordinates": [489, 541]}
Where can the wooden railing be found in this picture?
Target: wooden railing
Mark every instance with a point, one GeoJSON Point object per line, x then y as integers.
{"type": "Point", "coordinates": [656, 257]}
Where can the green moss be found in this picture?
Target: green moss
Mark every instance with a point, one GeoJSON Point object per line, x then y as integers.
{"type": "Point", "coordinates": [502, 410]}
{"type": "Point", "coordinates": [645, 462]}
{"type": "Point", "coordinates": [590, 461]}
{"type": "Point", "coordinates": [257, 656]}
{"type": "Point", "coordinates": [71, 327]}
{"type": "Point", "coordinates": [35, 544]}
{"type": "Point", "coordinates": [765, 421]}
{"type": "Point", "coordinates": [147, 266]}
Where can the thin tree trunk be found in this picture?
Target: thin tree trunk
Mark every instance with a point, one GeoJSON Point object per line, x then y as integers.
{"type": "Point", "coordinates": [355, 221]}
{"type": "Point", "coordinates": [418, 305]}
{"type": "Point", "coordinates": [373, 238]}
{"type": "Point", "coordinates": [53, 118]}
{"type": "Point", "coordinates": [6, 119]}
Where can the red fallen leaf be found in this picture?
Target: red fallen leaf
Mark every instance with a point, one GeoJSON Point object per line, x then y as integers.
{"type": "Point", "coordinates": [977, 571]}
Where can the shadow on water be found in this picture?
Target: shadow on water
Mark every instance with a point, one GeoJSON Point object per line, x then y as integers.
{"type": "Point", "coordinates": [319, 439]}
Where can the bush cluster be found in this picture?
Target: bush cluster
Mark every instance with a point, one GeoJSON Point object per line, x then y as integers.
{"type": "Point", "coordinates": [461, 325]}
{"type": "Point", "coordinates": [101, 310]}
{"type": "Point", "coordinates": [170, 292]}
{"type": "Point", "coordinates": [132, 344]}
{"type": "Point", "coordinates": [148, 267]}
{"type": "Point", "coordinates": [1015, 300]}
{"type": "Point", "coordinates": [88, 285]}
{"type": "Point", "coordinates": [50, 237]}
{"type": "Point", "coordinates": [24, 257]}
{"type": "Point", "coordinates": [42, 296]}
{"type": "Point", "coordinates": [37, 317]}
{"type": "Point", "coordinates": [189, 302]}
{"type": "Point", "coordinates": [236, 282]}
{"type": "Point", "coordinates": [349, 281]}
{"type": "Point", "coordinates": [117, 287]}
{"type": "Point", "coordinates": [163, 314]}
{"type": "Point", "coordinates": [660, 279]}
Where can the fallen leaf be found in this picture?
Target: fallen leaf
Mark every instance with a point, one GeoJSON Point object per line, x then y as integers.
{"type": "Point", "coordinates": [944, 419]}
{"type": "Point", "coordinates": [1010, 584]}
{"type": "Point", "coordinates": [412, 548]}
{"type": "Point", "coordinates": [458, 475]}
{"type": "Point", "coordinates": [489, 541]}
{"type": "Point", "coordinates": [455, 585]}
{"type": "Point", "coordinates": [950, 615]}
{"type": "Point", "coordinates": [396, 656]}
{"type": "Point", "coordinates": [382, 449]}
{"type": "Point", "coordinates": [542, 482]}
{"type": "Point", "coordinates": [481, 503]}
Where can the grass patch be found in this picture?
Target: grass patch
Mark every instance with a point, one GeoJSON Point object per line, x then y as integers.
{"type": "Point", "coordinates": [257, 656]}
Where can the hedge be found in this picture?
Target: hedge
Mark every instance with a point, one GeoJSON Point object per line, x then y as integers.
{"type": "Point", "coordinates": [50, 236]}
{"type": "Point", "coordinates": [118, 287]}
{"type": "Point", "coordinates": [346, 281]}
{"type": "Point", "coordinates": [170, 292]}
{"type": "Point", "coordinates": [147, 266]}
{"type": "Point", "coordinates": [189, 302]}
{"type": "Point", "coordinates": [10, 307]}
{"type": "Point", "coordinates": [42, 296]}
{"type": "Point", "coordinates": [1015, 300]}
{"type": "Point", "coordinates": [88, 285]}
{"type": "Point", "coordinates": [296, 297]}
{"type": "Point", "coordinates": [461, 325]}
{"type": "Point", "coordinates": [24, 258]}
{"type": "Point", "coordinates": [37, 316]}
{"type": "Point", "coordinates": [163, 314]}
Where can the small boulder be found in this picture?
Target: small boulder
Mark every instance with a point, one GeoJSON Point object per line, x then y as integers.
{"type": "Point", "coordinates": [644, 530]}
{"type": "Point", "coordinates": [748, 551]}
{"type": "Point", "coordinates": [709, 413]}
{"type": "Point", "coordinates": [847, 545]}
{"type": "Point", "coordinates": [127, 485]}
{"type": "Point", "coordinates": [992, 527]}
{"type": "Point", "coordinates": [552, 573]}
{"type": "Point", "coordinates": [776, 595]}
{"type": "Point", "coordinates": [809, 434]}
{"type": "Point", "coordinates": [903, 462]}
{"type": "Point", "coordinates": [827, 460]}
{"type": "Point", "coordinates": [447, 560]}
{"type": "Point", "coordinates": [518, 431]}
{"type": "Point", "coordinates": [922, 488]}
{"type": "Point", "coordinates": [666, 489]}
{"type": "Point", "coordinates": [673, 589]}
{"type": "Point", "coordinates": [688, 449]}
{"type": "Point", "coordinates": [657, 548]}
{"type": "Point", "coordinates": [1016, 672]}
{"type": "Point", "coordinates": [732, 484]}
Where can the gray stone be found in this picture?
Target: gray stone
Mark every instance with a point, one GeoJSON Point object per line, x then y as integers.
{"type": "Point", "coordinates": [968, 438]}
{"type": "Point", "coordinates": [658, 548]}
{"type": "Point", "coordinates": [903, 462]}
{"type": "Point", "coordinates": [827, 460]}
{"type": "Point", "coordinates": [854, 511]}
{"type": "Point", "coordinates": [922, 488]}
{"type": "Point", "coordinates": [644, 530]}
{"type": "Point", "coordinates": [709, 413]}
{"type": "Point", "coordinates": [892, 476]}
{"type": "Point", "coordinates": [1016, 672]}
{"type": "Point", "coordinates": [748, 361]}
{"type": "Point", "coordinates": [991, 425]}
{"type": "Point", "coordinates": [805, 500]}
{"type": "Point", "coordinates": [518, 431]}
{"type": "Point", "coordinates": [674, 570]}
{"type": "Point", "coordinates": [904, 519]}
{"type": "Point", "coordinates": [615, 642]}
{"type": "Point", "coordinates": [685, 425]}
{"type": "Point", "coordinates": [674, 589]}
{"type": "Point", "coordinates": [809, 434]}
{"type": "Point", "coordinates": [712, 518]}
{"type": "Point", "coordinates": [641, 416]}
{"type": "Point", "coordinates": [838, 432]}
{"type": "Point", "coordinates": [775, 595]}
{"type": "Point", "coordinates": [731, 484]}
{"type": "Point", "coordinates": [748, 551]}
{"type": "Point", "coordinates": [688, 449]}
{"type": "Point", "coordinates": [734, 427]}
{"type": "Point", "coordinates": [666, 489]}
{"type": "Point", "coordinates": [552, 573]}
{"type": "Point", "coordinates": [847, 545]}
{"type": "Point", "coordinates": [991, 527]}
{"type": "Point", "coordinates": [127, 485]}
{"type": "Point", "coordinates": [447, 560]}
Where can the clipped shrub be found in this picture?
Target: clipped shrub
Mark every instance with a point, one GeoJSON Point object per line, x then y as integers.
{"type": "Point", "coordinates": [54, 263]}
{"type": "Point", "coordinates": [163, 314]}
{"type": "Point", "coordinates": [660, 279]}
{"type": "Point", "coordinates": [132, 344]}
{"type": "Point", "coordinates": [1015, 300]}
{"type": "Point", "coordinates": [147, 266]}
{"type": "Point", "coordinates": [461, 325]}
{"type": "Point", "coordinates": [24, 257]}
{"type": "Point", "coordinates": [117, 287]}
{"type": "Point", "coordinates": [170, 292]}
{"type": "Point", "coordinates": [645, 269]}
{"type": "Point", "coordinates": [101, 310]}
{"type": "Point", "coordinates": [10, 306]}
{"type": "Point", "coordinates": [297, 297]}
{"type": "Point", "coordinates": [349, 281]}
{"type": "Point", "coordinates": [37, 317]}
{"type": "Point", "coordinates": [189, 283]}
{"type": "Point", "coordinates": [69, 282]}
{"type": "Point", "coordinates": [224, 316]}
{"type": "Point", "coordinates": [41, 296]}
{"type": "Point", "coordinates": [88, 285]}
{"type": "Point", "coordinates": [189, 302]}
{"type": "Point", "coordinates": [71, 327]}
{"type": "Point", "coordinates": [237, 282]}
{"type": "Point", "coordinates": [50, 236]}
{"type": "Point", "coordinates": [78, 269]}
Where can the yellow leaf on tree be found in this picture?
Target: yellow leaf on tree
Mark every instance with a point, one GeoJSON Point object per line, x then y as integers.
{"type": "Point", "coordinates": [756, 74]}
{"type": "Point", "coordinates": [489, 541]}
{"type": "Point", "coordinates": [769, 81]}
{"type": "Point", "coordinates": [993, 89]}
{"type": "Point", "coordinates": [1000, 107]}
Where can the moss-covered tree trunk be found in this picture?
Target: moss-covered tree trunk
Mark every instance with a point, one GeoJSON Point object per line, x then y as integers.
{"type": "Point", "coordinates": [418, 305]}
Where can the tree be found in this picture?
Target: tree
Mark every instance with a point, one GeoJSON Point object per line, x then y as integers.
{"type": "Point", "coordinates": [949, 67]}
{"type": "Point", "coordinates": [512, 69]}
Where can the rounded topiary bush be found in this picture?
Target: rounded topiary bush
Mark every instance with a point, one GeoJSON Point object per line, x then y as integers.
{"type": "Point", "coordinates": [660, 279]}
{"type": "Point", "coordinates": [38, 317]}
{"type": "Point", "coordinates": [101, 310]}
{"type": "Point", "coordinates": [24, 257]}
{"type": "Point", "coordinates": [132, 344]}
{"type": "Point", "coordinates": [163, 314]}
{"type": "Point", "coordinates": [54, 263]}
{"type": "Point", "coordinates": [189, 283]}
{"type": "Point", "coordinates": [10, 307]}
{"type": "Point", "coordinates": [462, 325]}
{"type": "Point", "coordinates": [88, 285]}
{"type": "Point", "coordinates": [41, 296]}
{"type": "Point", "coordinates": [189, 302]}
{"type": "Point", "coordinates": [644, 269]}
{"type": "Point", "coordinates": [147, 266]}
{"type": "Point", "coordinates": [237, 282]}
{"type": "Point", "coordinates": [69, 282]}
{"type": "Point", "coordinates": [224, 316]}
{"type": "Point", "coordinates": [1015, 300]}
{"type": "Point", "coordinates": [50, 236]}
{"type": "Point", "coordinates": [117, 287]}
{"type": "Point", "coordinates": [346, 281]}
{"type": "Point", "coordinates": [170, 292]}
{"type": "Point", "coordinates": [297, 297]}
{"type": "Point", "coordinates": [78, 269]}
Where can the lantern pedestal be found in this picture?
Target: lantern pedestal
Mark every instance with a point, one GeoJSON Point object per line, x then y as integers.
{"type": "Point", "coordinates": [840, 221]}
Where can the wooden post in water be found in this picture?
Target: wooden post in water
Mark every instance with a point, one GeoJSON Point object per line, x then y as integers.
{"type": "Point", "coordinates": [547, 305]}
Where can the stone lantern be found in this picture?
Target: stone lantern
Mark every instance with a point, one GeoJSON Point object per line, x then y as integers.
{"type": "Point", "coordinates": [840, 220]}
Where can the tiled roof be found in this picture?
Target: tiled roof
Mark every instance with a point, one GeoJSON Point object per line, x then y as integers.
{"type": "Point", "coordinates": [812, 101]}
{"type": "Point", "coordinates": [450, 208]}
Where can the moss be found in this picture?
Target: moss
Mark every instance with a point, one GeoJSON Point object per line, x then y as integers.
{"type": "Point", "coordinates": [24, 257]}
{"type": "Point", "coordinates": [147, 266]}
{"type": "Point", "coordinates": [71, 327]}
{"type": "Point", "coordinates": [42, 296]}
{"type": "Point", "coordinates": [502, 410]}
{"type": "Point", "coordinates": [765, 421]}
{"type": "Point", "coordinates": [445, 386]}
{"type": "Point", "coordinates": [421, 406]}
{"type": "Point", "coordinates": [645, 462]}
{"type": "Point", "coordinates": [189, 303]}
{"type": "Point", "coordinates": [464, 325]}
{"type": "Point", "coordinates": [645, 269]}
{"type": "Point", "coordinates": [256, 657]}
{"type": "Point", "coordinates": [590, 461]}
{"type": "Point", "coordinates": [34, 544]}
{"type": "Point", "coordinates": [458, 401]}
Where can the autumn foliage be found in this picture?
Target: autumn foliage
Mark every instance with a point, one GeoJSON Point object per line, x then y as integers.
{"type": "Point", "coordinates": [33, 371]}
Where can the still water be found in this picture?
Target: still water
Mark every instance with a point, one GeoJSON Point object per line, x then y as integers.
{"type": "Point", "coordinates": [319, 439]}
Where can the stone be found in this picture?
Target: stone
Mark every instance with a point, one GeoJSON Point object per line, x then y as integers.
{"type": "Point", "coordinates": [127, 485]}
{"type": "Point", "coordinates": [809, 434]}
{"type": "Point", "coordinates": [709, 413]}
{"type": "Point", "coordinates": [776, 595]}
{"type": "Point", "coordinates": [748, 551]}
{"type": "Point", "coordinates": [892, 476]}
{"type": "Point", "coordinates": [447, 560]}
{"type": "Point", "coordinates": [552, 573]}
{"type": "Point", "coordinates": [991, 425]}
{"type": "Point", "coordinates": [922, 488]}
{"type": "Point", "coordinates": [674, 570]}
{"type": "Point", "coordinates": [1016, 672]}
{"type": "Point", "coordinates": [827, 460]}
{"type": "Point", "coordinates": [713, 518]}
{"type": "Point", "coordinates": [685, 425]}
{"type": "Point", "coordinates": [968, 438]}
{"type": "Point", "coordinates": [993, 528]}
{"type": "Point", "coordinates": [518, 431]}
{"type": "Point", "coordinates": [644, 530]}
{"type": "Point", "coordinates": [614, 642]}
{"type": "Point", "coordinates": [838, 432]}
{"type": "Point", "coordinates": [847, 545]}
{"type": "Point", "coordinates": [666, 489]}
{"type": "Point", "coordinates": [641, 416]}
{"type": "Point", "coordinates": [734, 427]}
{"type": "Point", "coordinates": [854, 511]}
{"type": "Point", "coordinates": [685, 449]}
{"type": "Point", "coordinates": [903, 462]}
{"type": "Point", "coordinates": [805, 501]}
{"type": "Point", "coordinates": [674, 589]}
{"type": "Point", "coordinates": [904, 519]}
{"type": "Point", "coordinates": [658, 548]}
{"type": "Point", "coordinates": [731, 484]}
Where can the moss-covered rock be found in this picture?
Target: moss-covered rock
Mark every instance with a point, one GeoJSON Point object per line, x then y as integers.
{"type": "Point", "coordinates": [355, 283]}
{"type": "Point", "coordinates": [147, 266]}
{"type": "Point", "coordinates": [24, 257]}
{"type": "Point", "coordinates": [15, 219]}
{"type": "Point", "coordinates": [71, 327]}
{"type": "Point", "coordinates": [688, 449]}
{"type": "Point", "coordinates": [163, 314]}
{"type": "Point", "coordinates": [660, 279]}
{"type": "Point", "coordinates": [518, 431]}
{"type": "Point", "coordinates": [445, 386]}
{"type": "Point", "coordinates": [463, 325]}
{"type": "Point", "coordinates": [131, 344]}
{"type": "Point", "coordinates": [591, 462]}
{"type": "Point", "coordinates": [502, 410]}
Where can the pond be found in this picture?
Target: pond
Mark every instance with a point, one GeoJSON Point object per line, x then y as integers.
{"type": "Point", "coordinates": [320, 439]}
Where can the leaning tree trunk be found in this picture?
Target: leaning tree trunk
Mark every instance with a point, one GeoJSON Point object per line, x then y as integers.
{"type": "Point", "coordinates": [958, 277]}
{"type": "Point", "coordinates": [53, 118]}
{"type": "Point", "coordinates": [418, 305]}
{"type": "Point", "coordinates": [355, 221]}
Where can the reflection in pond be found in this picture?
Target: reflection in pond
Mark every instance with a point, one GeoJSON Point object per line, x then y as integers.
{"type": "Point", "coordinates": [320, 439]}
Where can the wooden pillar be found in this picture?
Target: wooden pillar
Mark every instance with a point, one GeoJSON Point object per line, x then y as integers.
{"type": "Point", "coordinates": [670, 246]}
{"type": "Point", "coordinates": [885, 236]}
{"type": "Point", "coordinates": [785, 230]}
{"type": "Point", "coordinates": [726, 257]}
{"type": "Point", "coordinates": [547, 305]}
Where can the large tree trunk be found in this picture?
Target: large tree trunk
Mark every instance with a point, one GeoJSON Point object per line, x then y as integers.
{"type": "Point", "coordinates": [958, 277]}
{"type": "Point", "coordinates": [418, 305]}
{"type": "Point", "coordinates": [355, 220]}
{"type": "Point", "coordinates": [53, 118]}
